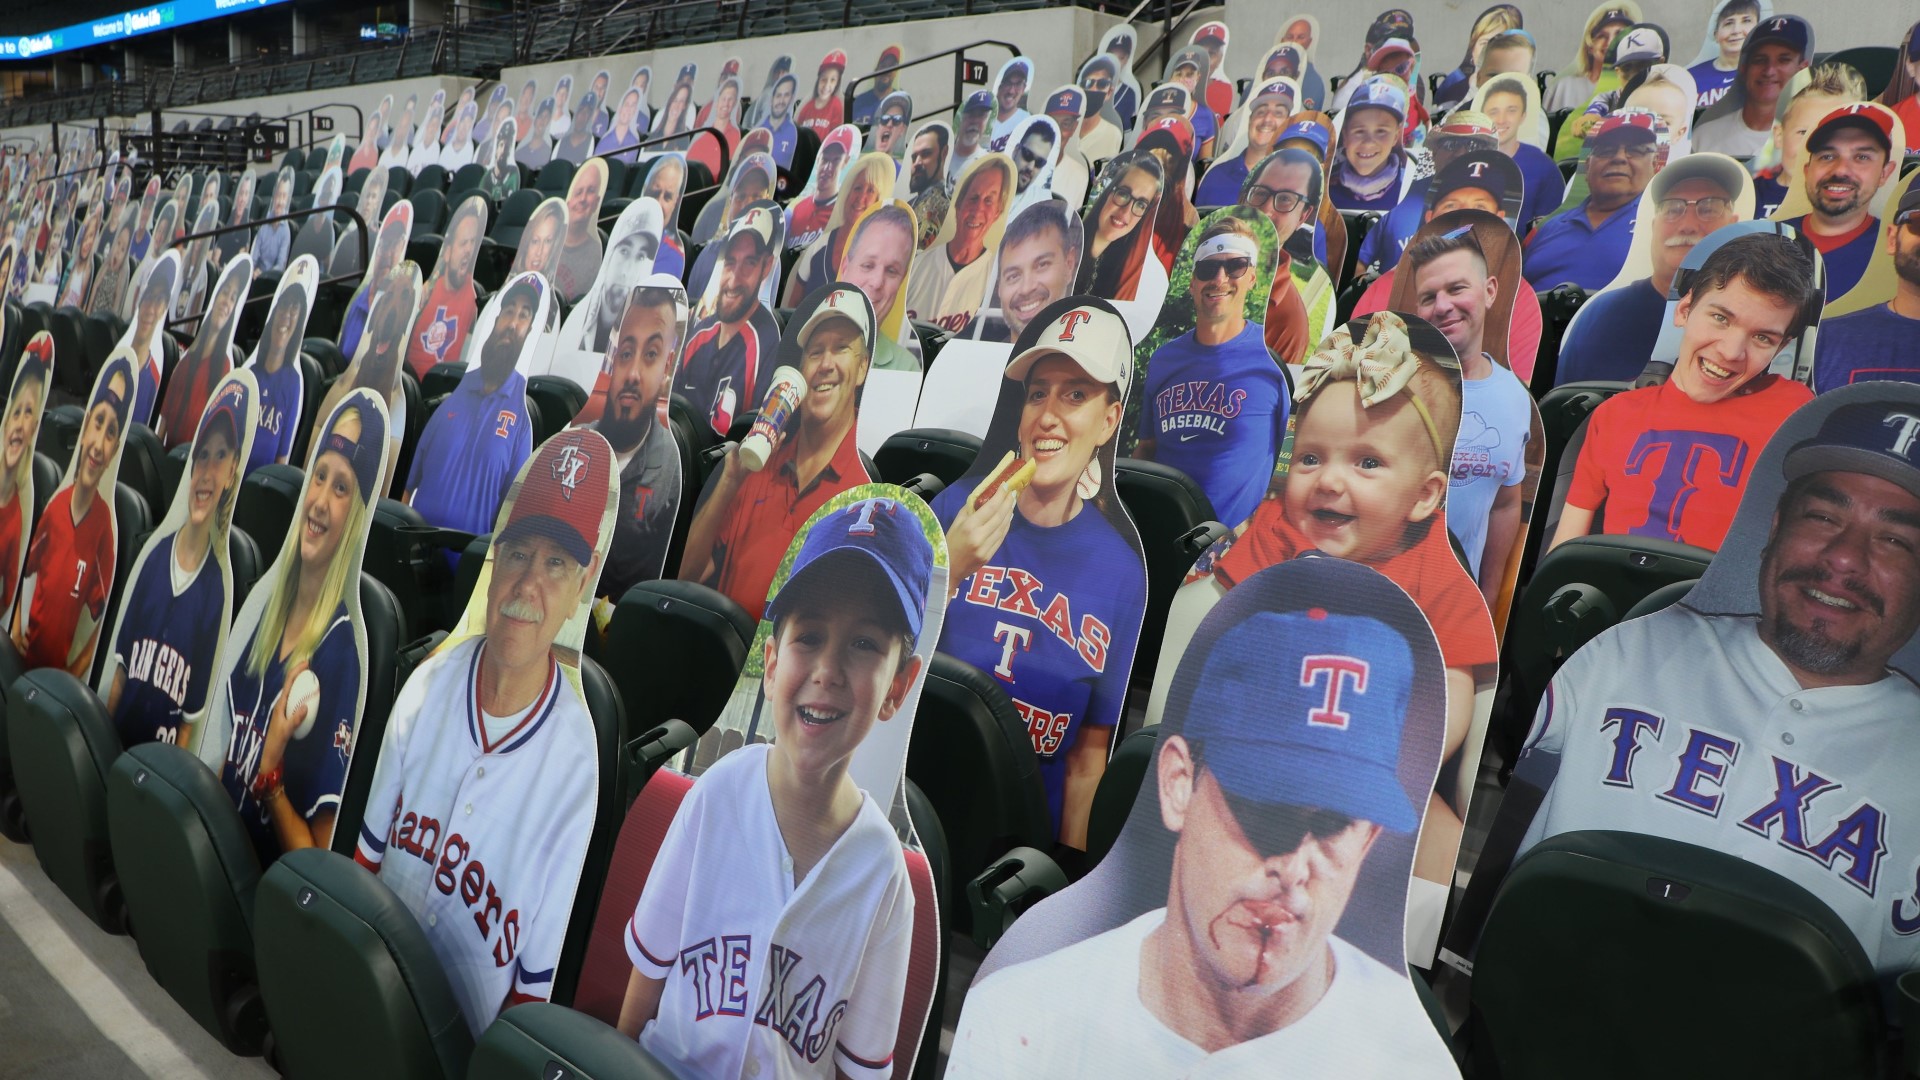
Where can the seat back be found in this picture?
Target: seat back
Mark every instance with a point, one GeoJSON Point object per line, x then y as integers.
{"type": "Point", "coordinates": [1127, 769]}
{"type": "Point", "coordinates": [132, 523]}
{"type": "Point", "coordinates": [681, 647]}
{"type": "Point", "coordinates": [535, 1038]}
{"type": "Point", "coordinates": [62, 743]}
{"type": "Point", "coordinates": [558, 400]}
{"type": "Point", "coordinates": [269, 497]}
{"type": "Point", "coordinates": [338, 953]}
{"type": "Point", "coordinates": [1165, 505]}
{"type": "Point", "coordinates": [943, 452]}
{"type": "Point", "coordinates": [467, 178]}
{"type": "Point", "coordinates": [433, 177]}
{"type": "Point", "coordinates": [555, 177]}
{"type": "Point", "coordinates": [971, 755]}
{"type": "Point", "coordinates": [609, 722]}
{"type": "Point", "coordinates": [602, 983]}
{"type": "Point", "coordinates": [383, 622]}
{"type": "Point", "coordinates": [46, 477]}
{"type": "Point", "coordinates": [1787, 973]}
{"type": "Point", "coordinates": [143, 467]}
{"type": "Point", "coordinates": [429, 209]}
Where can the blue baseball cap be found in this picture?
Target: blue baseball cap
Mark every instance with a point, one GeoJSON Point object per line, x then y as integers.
{"type": "Point", "coordinates": [105, 394]}
{"type": "Point", "coordinates": [1306, 708]}
{"type": "Point", "coordinates": [1789, 30]}
{"type": "Point", "coordinates": [886, 534]}
{"type": "Point", "coordinates": [227, 409]}
{"type": "Point", "coordinates": [1308, 130]}
{"type": "Point", "coordinates": [1380, 92]}
{"type": "Point", "coordinates": [364, 453]}
{"type": "Point", "coordinates": [1877, 438]}
{"type": "Point", "coordinates": [978, 101]}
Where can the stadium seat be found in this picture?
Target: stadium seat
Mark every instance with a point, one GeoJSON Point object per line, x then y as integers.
{"type": "Point", "coordinates": [97, 337]}
{"type": "Point", "coordinates": [558, 400]}
{"type": "Point", "coordinates": [1175, 523]}
{"type": "Point", "coordinates": [188, 867]}
{"type": "Point", "coordinates": [399, 180]}
{"type": "Point", "coordinates": [431, 178]}
{"type": "Point", "coordinates": [338, 952]}
{"type": "Point", "coordinates": [332, 362]}
{"type": "Point", "coordinates": [429, 210]}
{"type": "Point", "coordinates": [68, 325]}
{"type": "Point", "coordinates": [940, 452]}
{"type": "Point", "coordinates": [467, 179]}
{"type": "Point", "coordinates": [1785, 971]}
{"type": "Point", "coordinates": [424, 251]}
{"type": "Point", "coordinates": [681, 647]}
{"type": "Point", "coordinates": [555, 177]}
{"type": "Point", "coordinates": [512, 219]}
{"type": "Point", "coordinates": [1113, 800]}
{"type": "Point", "coordinates": [265, 507]}
{"type": "Point", "coordinates": [143, 467]}
{"type": "Point", "coordinates": [971, 755]}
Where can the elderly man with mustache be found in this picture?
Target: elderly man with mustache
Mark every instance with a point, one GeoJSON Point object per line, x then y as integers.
{"type": "Point", "coordinates": [1586, 244]}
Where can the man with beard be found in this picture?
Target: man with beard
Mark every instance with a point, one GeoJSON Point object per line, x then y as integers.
{"type": "Point", "coordinates": [580, 255]}
{"type": "Point", "coordinates": [970, 129]}
{"type": "Point", "coordinates": [786, 135]}
{"type": "Point", "coordinates": [1705, 728]}
{"type": "Point", "coordinates": [639, 367]}
{"type": "Point", "coordinates": [1586, 244]}
{"type": "Point", "coordinates": [927, 178]}
{"type": "Point", "coordinates": [1009, 101]}
{"type": "Point", "coordinates": [1032, 154]}
{"type": "Point", "coordinates": [1614, 335]}
{"type": "Point", "coordinates": [476, 439]}
{"type": "Point", "coordinates": [440, 334]}
{"type": "Point", "coordinates": [1849, 158]}
{"type": "Point", "coordinates": [747, 518]}
{"type": "Point", "coordinates": [825, 111]}
{"type": "Point", "coordinates": [812, 213]}
{"type": "Point", "coordinates": [983, 197]}
{"type": "Point", "coordinates": [1878, 342]}
{"type": "Point", "coordinates": [731, 353]}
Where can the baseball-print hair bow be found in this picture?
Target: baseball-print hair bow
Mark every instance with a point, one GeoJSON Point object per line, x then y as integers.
{"type": "Point", "coordinates": [1380, 365]}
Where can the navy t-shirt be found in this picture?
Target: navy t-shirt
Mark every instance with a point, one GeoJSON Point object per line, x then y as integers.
{"type": "Point", "coordinates": [1544, 188]}
{"type": "Point", "coordinates": [1613, 337]}
{"type": "Point", "coordinates": [1568, 248]}
{"type": "Point", "coordinates": [1875, 343]}
{"type": "Point", "coordinates": [1845, 261]}
{"type": "Point", "coordinates": [1218, 414]}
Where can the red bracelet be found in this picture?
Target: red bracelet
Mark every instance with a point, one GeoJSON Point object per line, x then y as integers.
{"type": "Point", "coordinates": [267, 783]}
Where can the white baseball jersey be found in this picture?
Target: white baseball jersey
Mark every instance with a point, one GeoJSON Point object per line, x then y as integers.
{"type": "Point", "coordinates": [766, 978]}
{"type": "Point", "coordinates": [483, 838]}
{"type": "Point", "coordinates": [1688, 726]}
{"type": "Point", "coordinates": [1077, 1012]}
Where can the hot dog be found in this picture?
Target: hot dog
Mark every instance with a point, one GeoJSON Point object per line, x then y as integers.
{"type": "Point", "coordinates": [1013, 473]}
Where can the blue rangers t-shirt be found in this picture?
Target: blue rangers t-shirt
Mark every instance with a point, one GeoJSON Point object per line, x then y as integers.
{"type": "Point", "coordinates": [1710, 82]}
{"type": "Point", "coordinates": [1490, 453]}
{"type": "Point", "coordinates": [1873, 343]}
{"type": "Point", "coordinates": [1054, 615]}
{"type": "Point", "coordinates": [280, 397]}
{"type": "Point", "coordinates": [314, 764]}
{"type": "Point", "coordinates": [472, 448]}
{"type": "Point", "coordinates": [168, 639]}
{"type": "Point", "coordinates": [1218, 413]}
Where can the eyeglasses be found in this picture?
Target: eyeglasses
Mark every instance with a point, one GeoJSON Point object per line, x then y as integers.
{"type": "Point", "coordinates": [1127, 200]}
{"type": "Point", "coordinates": [1709, 208]}
{"type": "Point", "coordinates": [1235, 269]}
{"type": "Point", "coordinates": [1631, 151]}
{"type": "Point", "coordinates": [1284, 202]}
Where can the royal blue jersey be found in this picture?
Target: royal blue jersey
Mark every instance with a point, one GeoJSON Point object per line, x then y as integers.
{"type": "Point", "coordinates": [1054, 615]}
{"type": "Point", "coordinates": [280, 398]}
{"type": "Point", "coordinates": [1218, 414]}
{"type": "Point", "coordinates": [725, 382]}
{"type": "Point", "coordinates": [355, 322]}
{"type": "Point", "coordinates": [1570, 248]}
{"type": "Point", "coordinates": [786, 137]}
{"type": "Point", "coordinates": [473, 446]}
{"type": "Point", "coordinates": [1710, 83]}
{"type": "Point", "coordinates": [1614, 336]}
{"type": "Point", "coordinates": [1768, 194]}
{"type": "Point", "coordinates": [315, 764]}
{"type": "Point", "coordinates": [168, 642]}
{"type": "Point", "coordinates": [1874, 343]}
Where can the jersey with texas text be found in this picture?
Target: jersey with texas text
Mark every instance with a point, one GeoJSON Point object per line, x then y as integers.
{"type": "Point", "coordinates": [1218, 413]}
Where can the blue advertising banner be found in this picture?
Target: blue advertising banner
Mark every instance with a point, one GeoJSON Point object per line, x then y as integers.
{"type": "Point", "coordinates": [145, 20]}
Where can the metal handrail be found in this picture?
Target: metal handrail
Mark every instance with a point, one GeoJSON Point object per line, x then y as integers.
{"type": "Point", "coordinates": [360, 225]}
{"type": "Point", "coordinates": [958, 96]}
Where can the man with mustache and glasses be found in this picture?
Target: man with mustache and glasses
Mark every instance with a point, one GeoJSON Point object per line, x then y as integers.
{"type": "Point", "coordinates": [1614, 335]}
{"type": "Point", "coordinates": [1585, 245]}
{"type": "Point", "coordinates": [475, 441]}
{"type": "Point", "coordinates": [1216, 403]}
{"type": "Point", "coordinates": [1781, 737]}
{"type": "Point", "coordinates": [1241, 970]}
{"type": "Point", "coordinates": [730, 354]}
{"type": "Point", "coordinates": [1877, 342]}
{"type": "Point", "coordinates": [1849, 158]}
{"type": "Point", "coordinates": [1670, 461]}
{"type": "Point", "coordinates": [639, 367]}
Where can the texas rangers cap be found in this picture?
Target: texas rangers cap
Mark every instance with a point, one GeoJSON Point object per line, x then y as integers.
{"type": "Point", "coordinates": [1020, 66]}
{"type": "Point", "coordinates": [1625, 127]}
{"type": "Point", "coordinates": [1279, 86]}
{"type": "Point", "coordinates": [756, 222]}
{"type": "Point", "coordinates": [1306, 708]}
{"type": "Point", "coordinates": [1723, 171]}
{"type": "Point", "coordinates": [1613, 16]}
{"type": "Point", "coordinates": [1642, 42]}
{"type": "Point", "coordinates": [1478, 169]}
{"type": "Point", "coordinates": [364, 453]}
{"type": "Point", "coordinates": [841, 302]}
{"type": "Point", "coordinates": [834, 59]}
{"type": "Point", "coordinates": [1066, 101]}
{"type": "Point", "coordinates": [1168, 96]}
{"type": "Point", "coordinates": [563, 495]}
{"type": "Point", "coordinates": [1873, 437]}
{"type": "Point", "coordinates": [889, 57]}
{"type": "Point", "coordinates": [1789, 30]}
{"type": "Point", "coordinates": [839, 141]}
{"type": "Point", "coordinates": [1381, 92]}
{"type": "Point", "coordinates": [978, 101]}
{"type": "Point", "coordinates": [1466, 122]}
{"type": "Point", "coordinates": [104, 392]}
{"type": "Point", "coordinates": [1308, 130]}
{"type": "Point", "coordinates": [1389, 51]}
{"type": "Point", "coordinates": [882, 533]}
{"type": "Point", "coordinates": [1192, 56]}
{"type": "Point", "coordinates": [1178, 128]}
{"type": "Point", "coordinates": [1212, 31]}
{"type": "Point", "coordinates": [688, 71]}
{"type": "Point", "coordinates": [1085, 330]}
{"type": "Point", "coordinates": [227, 410]}
{"type": "Point", "coordinates": [527, 284]}
{"type": "Point", "coordinates": [1868, 116]}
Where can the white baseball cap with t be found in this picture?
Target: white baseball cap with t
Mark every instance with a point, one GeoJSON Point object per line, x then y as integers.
{"type": "Point", "coordinates": [1085, 331]}
{"type": "Point", "coordinates": [841, 302]}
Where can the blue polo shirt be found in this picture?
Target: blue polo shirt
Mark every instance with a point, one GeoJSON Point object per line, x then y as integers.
{"type": "Point", "coordinates": [1874, 343]}
{"type": "Point", "coordinates": [1566, 248]}
{"type": "Point", "coordinates": [1614, 335]}
{"type": "Point", "coordinates": [1544, 189]}
{"type": "Point", "coordinates": [1222, 183]}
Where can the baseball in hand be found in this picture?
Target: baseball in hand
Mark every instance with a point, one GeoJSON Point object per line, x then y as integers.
{"type": "Point", "coordinates": [304, 691]}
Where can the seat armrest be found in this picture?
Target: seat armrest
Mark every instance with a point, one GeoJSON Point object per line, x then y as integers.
{"type": "Point", "coordinates": [1005, 890]}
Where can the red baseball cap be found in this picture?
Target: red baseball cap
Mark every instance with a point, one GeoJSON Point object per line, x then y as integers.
{"type": "Point", "coordinates": [563, 495]}
{"type": "Point", "coordinates": [836, 58]}
{"type": "Point", "coordinates": [1630, 125]}
{"type": "Point", "coordinates": [1871, 117]}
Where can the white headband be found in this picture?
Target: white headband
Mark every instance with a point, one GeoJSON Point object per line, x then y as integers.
{"type": "Point", "coordinates": [1227, 245]}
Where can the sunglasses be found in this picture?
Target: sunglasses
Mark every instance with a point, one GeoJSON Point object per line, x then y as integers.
{"type": "Point", "coordinates": [1285, 202]}
{"type": "Point", "coordinates": [892, 121]}
{"type": "Point", "coordinates": [1029, 157]}
{"type": "Point", "coordinates": [1909, 220]}
{"type": "Point", "coordinates": [1235, 269]}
